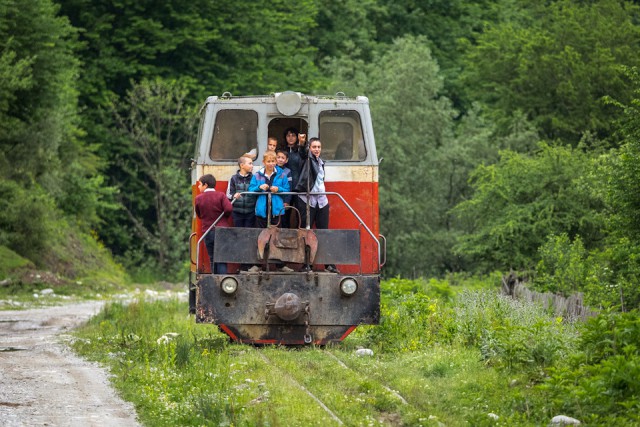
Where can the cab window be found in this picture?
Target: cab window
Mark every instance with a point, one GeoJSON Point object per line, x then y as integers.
{"type": "Point", "coordinates": [341, 136]}
{"type": "Point", "coordinates": [235, 133]}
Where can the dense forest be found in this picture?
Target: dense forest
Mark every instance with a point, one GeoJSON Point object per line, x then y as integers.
{"type": "Point", "coordinates": [510, 129]}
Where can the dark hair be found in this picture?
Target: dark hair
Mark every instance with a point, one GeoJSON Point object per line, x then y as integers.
{"type": "Point", "coordinates": [290, 129]}
{"type": "Point", "coordinates": [283, 144]}
{"type": "Point", "coordinates": [209, 180]}
{"type": "Point", "coordinates": [314, 139]}
{"type": "Point", "coordinates": [278, 151]}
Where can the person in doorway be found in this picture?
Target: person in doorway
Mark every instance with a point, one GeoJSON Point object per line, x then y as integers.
{"type": "Point", "coordinates": [291, 145]}
{"type": "Point", "coordinates": [209, 205]}
{"type": "Point", "coordinates": [312, 180]}
{"type": "Point", "coordinates": [272, 144]}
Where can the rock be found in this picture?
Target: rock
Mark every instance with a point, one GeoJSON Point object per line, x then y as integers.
{"type": "Point", "coordinates": [563, 420]}
{"type": "Point", "coordinates": [364, 352]}
{"type": "Point", "coordinates": [5, 282]}
{"type": "Point", "coordinates": [47, 291]}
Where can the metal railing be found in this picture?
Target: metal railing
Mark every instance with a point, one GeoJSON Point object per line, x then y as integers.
{"type": "Point", "coordinates": [326, 193]}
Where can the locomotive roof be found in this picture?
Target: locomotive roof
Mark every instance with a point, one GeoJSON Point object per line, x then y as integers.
{"type": "Point", "coordinates": [338, 97]}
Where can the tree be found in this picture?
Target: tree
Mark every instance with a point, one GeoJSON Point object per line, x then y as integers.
{"type": "Point", "coordinates": [156, 125]}
{"type": "Point", "coordinates": [556, 66]}
{"type": "Point", "coordinates": [522, 199]}
{"type": "Point", "coordinates": [38, 113]}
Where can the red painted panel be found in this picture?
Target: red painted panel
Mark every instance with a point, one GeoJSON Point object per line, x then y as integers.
{"type": "Point", "coordinates": [363, 199]}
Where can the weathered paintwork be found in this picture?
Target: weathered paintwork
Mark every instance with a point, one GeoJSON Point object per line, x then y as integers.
{"type": "Point", "coordinates": [258, 312]}
{"type": "Point", "coordinates": [331, 314]}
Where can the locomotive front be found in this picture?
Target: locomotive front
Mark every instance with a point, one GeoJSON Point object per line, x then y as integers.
{"type": "Point", "coordinates": [306, 305]}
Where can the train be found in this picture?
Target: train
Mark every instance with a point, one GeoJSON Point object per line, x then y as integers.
{"type": "Point", "coordinates": [306, 306]}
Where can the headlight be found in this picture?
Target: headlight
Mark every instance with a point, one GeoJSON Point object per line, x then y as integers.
{"type": "Point", "coordinates": [348, 286]}
{"type": "Point", "coordinates": [229, 285]}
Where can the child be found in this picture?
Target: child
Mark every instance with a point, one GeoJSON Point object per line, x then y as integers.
{"type": "Point", "coordinates": [272, 143]}
{"type": "Point", "coordinates": [282, 157]}
{"type": "Point", "coordinates": [244, 206]}
{"type": "Point", "coordinates": [269, 179]}
{"type": "Point", "coordinates": [209, 204]}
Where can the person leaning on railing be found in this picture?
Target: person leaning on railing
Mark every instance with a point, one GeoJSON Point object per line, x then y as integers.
{"type": "Point", "coordinates": [269, 179]}
{"type": "Point", "coordinates": [312, 180]}
{"type": "Point", "coordinates": [209, 205]}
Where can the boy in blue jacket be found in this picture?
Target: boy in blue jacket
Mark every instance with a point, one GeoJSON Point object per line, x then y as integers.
{"type": "Point", "coordinates": [269, 179]}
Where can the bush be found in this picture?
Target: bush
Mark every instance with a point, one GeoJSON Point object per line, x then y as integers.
{"type": "Point", "coordinates": [602, 380]}
{"type": "Point", "coordinates": [511, 333]}
{"type": "Point", "coordinates": [562, 268]}
{"type": "Point", "coordinates": [26, 218]}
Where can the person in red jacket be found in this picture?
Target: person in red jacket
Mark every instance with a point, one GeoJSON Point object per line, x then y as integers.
{"type": "Point", "coordinates": [209, 205]}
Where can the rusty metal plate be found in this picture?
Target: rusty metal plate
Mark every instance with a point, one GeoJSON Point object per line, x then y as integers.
{"type": "Point", "coordinates": [240, 245]}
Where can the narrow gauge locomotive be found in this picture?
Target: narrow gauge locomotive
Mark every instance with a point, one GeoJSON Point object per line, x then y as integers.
{"type": "Point", "coordinates": [304, 306]}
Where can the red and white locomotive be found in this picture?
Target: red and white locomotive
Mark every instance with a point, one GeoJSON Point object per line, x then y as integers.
{"type": "Point", "coordinates": [299, 307]}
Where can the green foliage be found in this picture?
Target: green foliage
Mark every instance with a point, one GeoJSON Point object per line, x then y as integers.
{"type": "Point", "coordinates": [562, 268]}
{"type": "Point", "coordinates": [38, 107]}
{"type": "Point", "coordinates": [10, 261]}
{"type": "Point", "coordinates": [508, 333]}
{"type": "Point", "coordinates": [244, 46]}
{"type": "Point", "coordinates": [156, 125]}
{"type": "Point", "coordinates": [511, 333]}
{"type": "Point", "coordinates": [600, 384]}
{"type": "Point", "coordinates": [177, 372]}
{"type": "Point", "coordinates": [409, 322]}
{"type": "Point", "coordinates": [32, 226]}
{"type": "Point", "coordinates": [555, 62]}
{"type": "Point", "coordinates": [522, 199]}
{"type": "Point", "coordinates": [26, 220]}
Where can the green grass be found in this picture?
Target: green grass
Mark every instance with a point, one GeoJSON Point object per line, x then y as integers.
{"type": "Point", "coordinates": [9, 261]}
{"type": "Point", "coordinates": [435, 364]}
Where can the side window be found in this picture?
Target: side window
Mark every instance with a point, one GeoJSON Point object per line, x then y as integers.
{"type": "Point", "coordinates": [234, 133]}
{"type": "Point", "coordinates": [341, 136]}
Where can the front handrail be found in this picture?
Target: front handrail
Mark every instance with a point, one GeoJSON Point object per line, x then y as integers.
{"type": "Point", "coordinates": [286, 193]}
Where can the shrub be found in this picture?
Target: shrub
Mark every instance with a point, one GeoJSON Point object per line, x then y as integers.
{"type": "Point", "coordinates": [602, 380]}
{"type": "Point", "coordinates": [511, 333]}
{"type": "Point", "coordinates": [25, 219]}
{"type": "Point", "coordinates": [562, 268]}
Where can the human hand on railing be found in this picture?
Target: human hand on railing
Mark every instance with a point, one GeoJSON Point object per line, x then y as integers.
{"type": "Point", "coordinates": [274, 189]}
{"type": "Point", "coordinates": [264, 187]}
{"type": "Point", "coordinates": [237, 196]}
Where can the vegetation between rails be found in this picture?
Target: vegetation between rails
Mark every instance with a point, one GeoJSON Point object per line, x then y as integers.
{"type": "Point", "coordinates": [435, 363]}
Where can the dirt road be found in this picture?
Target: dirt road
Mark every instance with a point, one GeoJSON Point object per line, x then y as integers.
{"type": "Point", "coordinates": [42, 383]}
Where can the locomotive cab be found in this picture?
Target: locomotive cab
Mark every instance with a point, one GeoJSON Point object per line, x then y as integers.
{"type": "Point", "coordinates": [306, 305]}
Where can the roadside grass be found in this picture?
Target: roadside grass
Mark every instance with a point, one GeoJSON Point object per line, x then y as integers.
{"type": "Point", "coordinates": [179, 373]}
{"type": "Point", "coordinates": [480, 359]}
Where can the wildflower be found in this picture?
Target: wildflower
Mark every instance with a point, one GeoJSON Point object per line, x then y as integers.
{"type": "Point", "coordinates": [166, 338]}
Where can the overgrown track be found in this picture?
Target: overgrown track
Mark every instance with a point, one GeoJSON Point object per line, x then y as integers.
{"type": "Point", "coordinates": [303, 388]}
{"type": "Point", "coordinates": [386, 387]}
{"type": "Point", "coordinates": [347, 395]}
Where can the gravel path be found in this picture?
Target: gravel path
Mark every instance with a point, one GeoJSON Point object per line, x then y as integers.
{"type": "Point", "coordinates": [42, 383]}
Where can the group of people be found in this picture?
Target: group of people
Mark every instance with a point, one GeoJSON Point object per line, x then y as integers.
{"type": "Point", "coordinates": [294, 166]}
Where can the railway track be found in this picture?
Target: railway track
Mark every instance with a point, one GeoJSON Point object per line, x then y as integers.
{"type": "Point", "coordinates": [347, 395]}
